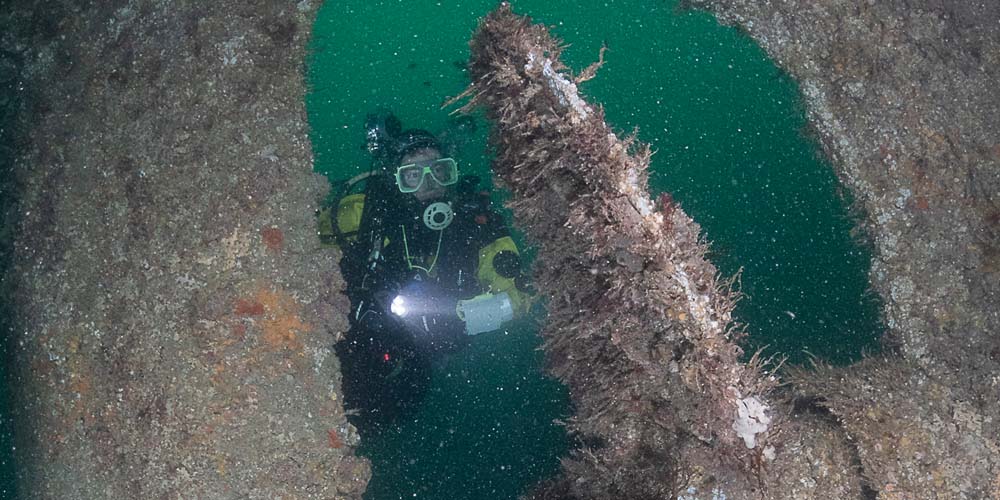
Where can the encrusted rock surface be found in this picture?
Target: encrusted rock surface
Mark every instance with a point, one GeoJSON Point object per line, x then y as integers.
{"type": "Point", "coordinates": [903, 96]}
{"type": "Point", "coordinates": [916, 438]}
{"type": "Point", "coordinates": [175, 314]}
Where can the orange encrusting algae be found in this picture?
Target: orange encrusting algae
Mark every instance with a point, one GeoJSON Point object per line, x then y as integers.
{"type": "Point", "coordinates": [281, 321]}
{"type": "Point", "coordinates": [273, 238]}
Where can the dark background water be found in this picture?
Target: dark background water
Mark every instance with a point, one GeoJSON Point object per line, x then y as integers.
{"type": "Point", "coordinates": [11, 90]}
{"type": "Point", "coordinates": [8, 485]}
{"type": "Point", "coordinates": [728, 129]}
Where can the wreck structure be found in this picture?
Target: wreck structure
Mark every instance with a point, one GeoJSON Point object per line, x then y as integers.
{"type": "Point", "coordinates": [639, 325]}
{"type": "Point", "coordinates": [174, 317]}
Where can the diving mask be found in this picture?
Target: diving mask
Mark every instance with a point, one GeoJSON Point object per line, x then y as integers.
{"type": "Point", "coordinates": [411, 176]}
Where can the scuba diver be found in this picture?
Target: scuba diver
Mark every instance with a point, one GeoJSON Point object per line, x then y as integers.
{"type": "Point", "coordinates": [428, 264]}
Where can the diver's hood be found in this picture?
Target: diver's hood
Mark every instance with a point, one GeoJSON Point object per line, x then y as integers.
{"type": "Point", "coordinates": [414, 139]}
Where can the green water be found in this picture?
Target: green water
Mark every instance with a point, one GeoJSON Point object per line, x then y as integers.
{"type": "Point", "coordinates": [485, 430]}
{"type": "Point", "coordinates": [728, 129]}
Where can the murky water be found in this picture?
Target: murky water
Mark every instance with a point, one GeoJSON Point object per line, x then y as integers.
{"type": "Point", "coordinates": [728, 130]}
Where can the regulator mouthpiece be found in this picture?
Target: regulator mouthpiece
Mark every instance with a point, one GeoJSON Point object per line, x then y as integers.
{"type": "Point", "coordinates": [438, 216]}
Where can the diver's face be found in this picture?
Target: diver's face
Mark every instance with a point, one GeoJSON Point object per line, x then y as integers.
{"type": "Point", "coordinates": [430, 188]}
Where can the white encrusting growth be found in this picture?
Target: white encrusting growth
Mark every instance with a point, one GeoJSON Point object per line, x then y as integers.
{"type": "Point", "coordinates": [698, 304]}
{"type": "Point", "coordinates": [639, 197]}
{"type": "Point", "coordinates": [564, 89]}
{"type": "Point", "coordinates": [751, 419]}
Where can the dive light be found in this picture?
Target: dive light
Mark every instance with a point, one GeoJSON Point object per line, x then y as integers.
{"type": "Point", "coordinates": [482, 313]}
{"type": "Point", "coordinates": [407, 305]}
